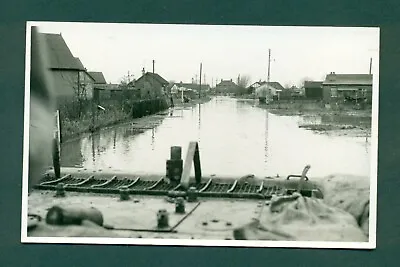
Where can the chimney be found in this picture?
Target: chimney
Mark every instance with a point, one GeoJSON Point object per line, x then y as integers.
{"type": "Point", "coordinates": [143, 71]}
{"type": "Point", "coordinates": [153, 65]}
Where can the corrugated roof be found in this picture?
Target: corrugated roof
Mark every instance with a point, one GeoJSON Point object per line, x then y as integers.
{"type": "Point", "coordinates": [60, 56]}
{"type": "Point", "coordinates": [348, 79]}
{"type": "Point", "coordinates": [98, 77]}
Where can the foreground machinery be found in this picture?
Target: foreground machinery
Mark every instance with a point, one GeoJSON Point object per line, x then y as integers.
{"type": "Point", "coordinates": [177, 205]}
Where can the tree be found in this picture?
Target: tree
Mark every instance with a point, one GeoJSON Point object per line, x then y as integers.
{"type": "Point", "coordinates": [80, 92]}
{"type": "Point", "coordinates": [287, 86]}
{"type": "Point", "coordinates": [243, 81]}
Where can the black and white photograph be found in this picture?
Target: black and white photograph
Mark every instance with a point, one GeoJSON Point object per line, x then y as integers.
{"type": "Point", "coordinates": [200, 135]}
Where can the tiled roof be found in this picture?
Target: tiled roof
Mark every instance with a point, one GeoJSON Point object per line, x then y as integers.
{"type": "Point", "coordinates": [60, 56]}
{"type": "Point", "coordinates": [348, 79]}
{"type": "Point", "coordinates": [98, 77]}
{"type": "Point", "coordinates": [153, 76]}
{"type": "Point", "coordinates": [226, 83]}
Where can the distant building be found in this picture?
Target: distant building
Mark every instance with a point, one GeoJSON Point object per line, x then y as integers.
{"type": "Point", "coordinates": [202, 90]}
{"type": "Point", "coordinates": [313, 90]}
{"type": "Point", "coordinates": [271, 90]}
{"type": "Point", "coordinates": [68, 73]}
{"type": "Point", "coordinates": [150, 85]}
{"type": "Point", "coordinates": [111, 91]}
{"type": "Point", "coordinates": [98, 77]}
{"type": "Point", "coordinates": [339, 87]}
{"type": "Point", "coordinates": [226, 87]}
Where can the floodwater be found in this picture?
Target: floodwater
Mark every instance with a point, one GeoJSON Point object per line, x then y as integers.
{"type": "Point", "coordinates": [235, 139]}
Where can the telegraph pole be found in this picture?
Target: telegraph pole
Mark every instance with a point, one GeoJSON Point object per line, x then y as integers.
{"type": "Point", "coordinates": [201, 65]}
{"type": "Point", "coordinates": [153, 64]}
{"type": "Point", "coordinates": [269, 67]}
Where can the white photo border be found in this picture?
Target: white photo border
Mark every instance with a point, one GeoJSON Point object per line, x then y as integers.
{"type": "Point", "coordinates": [371, 244]}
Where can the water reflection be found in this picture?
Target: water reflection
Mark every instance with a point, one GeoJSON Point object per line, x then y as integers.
{"type": "Point", "coordinates": [266, 141]}
{"type": "Point", "coordinates": [152, 138]}
{"type": "Point", "coordinates": [236, 139]}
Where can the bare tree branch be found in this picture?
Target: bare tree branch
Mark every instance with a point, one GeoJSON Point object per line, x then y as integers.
{"type": "Point", "coordinates": [244, 81]}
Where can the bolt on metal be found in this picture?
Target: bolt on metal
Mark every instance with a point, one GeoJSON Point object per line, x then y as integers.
{"type": "Point", "coordinates": [162, 218]}
{"type": "Point", "coordinates": [180, 205]}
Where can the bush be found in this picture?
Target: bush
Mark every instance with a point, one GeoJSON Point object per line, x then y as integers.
{"type": "Point", "coordinates": [116, 110]}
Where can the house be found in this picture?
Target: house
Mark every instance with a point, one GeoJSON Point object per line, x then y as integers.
{"type": "Point", "coordinates": [98, 77]}
{"type": "Point", "coordinates": [227, 87]}
{"type": "Point", "coordinates": [107, 91]}
{"type": "Point", "coordinates": [69, 76]}
{"type": "Point", "coordinates": [313, 90]}
{"type": "Point", "coordinates": [150, 85]}
{"type": "Point", "coordinates": [347, 87]}
{"type": "Point", "coordinates": [202, 90]}
{"type": "Point", "coordinates": [270, 90]}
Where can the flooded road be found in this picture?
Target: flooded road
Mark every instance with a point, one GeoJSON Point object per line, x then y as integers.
{"type": "Point", "coordinates": [235, 139]}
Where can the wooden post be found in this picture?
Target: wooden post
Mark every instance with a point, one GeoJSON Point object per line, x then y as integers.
{"type": "Point", "coordinates": [192, 156]}
{"type": "Point", "coordinates": [200, 80]}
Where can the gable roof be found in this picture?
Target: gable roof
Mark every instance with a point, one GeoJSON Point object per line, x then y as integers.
{"type": "Point", "coordinates": [226, 83]}
{"type": "Point", "coordinates": [275, 85]}
{"type": "Point", "coordinates": [312, 84]}
{"type": "Point", "coordinates": [153, 76]}
{"type": "Point", "coordinates": [348, 79]}
{"type": "Point", "coordinates": [60, 56]}
{"type": "Point", "coordinates": [254, 84]}
{"type": "Point", "coordinates": [98, 77]}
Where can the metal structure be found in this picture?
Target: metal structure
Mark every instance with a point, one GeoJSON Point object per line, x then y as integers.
{"type": "Point", "coordinates": [176, 205]}
{"type": "Point", "coordinates": [176, 182]}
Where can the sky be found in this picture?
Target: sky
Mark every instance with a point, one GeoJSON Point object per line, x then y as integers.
{"type": "Point", "coordinates": [297, 53]}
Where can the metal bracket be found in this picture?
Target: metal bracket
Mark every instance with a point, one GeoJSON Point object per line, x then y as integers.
{"type": "Point", "coordinates": [192, 155]}
{"type": "Point", "coordinates": [297, 176]}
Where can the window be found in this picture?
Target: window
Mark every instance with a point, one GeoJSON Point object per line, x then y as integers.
{"type": "Point", "coordinates": [334, 92]}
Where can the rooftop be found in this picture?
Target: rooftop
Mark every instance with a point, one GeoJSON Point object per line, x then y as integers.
{"type": "Point", "coordinates": [348, 79]}
{"type": "Point", "coordinates": [98, 77]}
{"type": "Point", "coordinates": [312, 84]}
{"type": "Point", "coordinates": [60, 56]}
